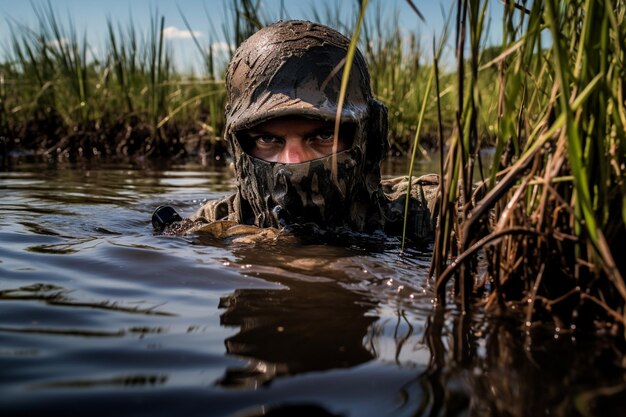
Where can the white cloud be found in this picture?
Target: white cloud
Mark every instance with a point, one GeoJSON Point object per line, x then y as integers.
{"type": "Point", "coordinates": [57, 43]}
{"type": "Point", "coordinates": [221, 47]}
{"type": "Point", "coordinates": [171, 32]}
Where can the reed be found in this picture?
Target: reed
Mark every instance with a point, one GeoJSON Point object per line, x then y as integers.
{"type": "Point", "coordinates": [400, 74]}
{"type": "Point", "coordinates": [61, 98]}
{"type": "Point", "coordinates": [550, 216]}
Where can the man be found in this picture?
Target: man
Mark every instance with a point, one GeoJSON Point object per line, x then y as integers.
{"type": "Point", "coordinates": [282, 89]}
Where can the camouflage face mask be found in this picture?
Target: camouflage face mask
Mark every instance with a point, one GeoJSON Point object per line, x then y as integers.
{"type": "Point", "coordinates": [282, 194]}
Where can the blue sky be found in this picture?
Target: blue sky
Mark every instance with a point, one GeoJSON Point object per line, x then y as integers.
{"type": "Point", "coordinates": [206, 18]}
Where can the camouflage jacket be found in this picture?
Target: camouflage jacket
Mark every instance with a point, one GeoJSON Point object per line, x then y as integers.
{"type": "Point", "coordinates": [421, 219]}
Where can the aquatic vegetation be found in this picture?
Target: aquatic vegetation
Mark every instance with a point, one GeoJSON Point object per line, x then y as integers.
{"type": "Point", "coordinates": [60, 97]}
{"type": "Point", "coordinates": [549, 217]}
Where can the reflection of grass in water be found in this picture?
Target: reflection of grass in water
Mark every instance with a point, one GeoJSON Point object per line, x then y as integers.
{"type": "Point", "coordinates": [62, 331]}
{"type": "Point", "coordinates": [39, 229]}
{"type": "Point", "coordinates": [500, 364]}
{"type": "Point", "coordinates": [137, 380]}
{"type": "Point", "coordinates": [55, 248]}
{"type": "Point", "coordinates": [58, 296]}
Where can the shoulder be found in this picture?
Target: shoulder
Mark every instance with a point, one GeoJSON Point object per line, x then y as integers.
{"type": "Point", "coordinates": [422, 188]}
{"type": "Point", "coordinates": [222, 209]}
{"type": "Point", "coordinates": [422, 204]}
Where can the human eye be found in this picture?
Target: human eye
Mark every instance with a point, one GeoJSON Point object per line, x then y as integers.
{"type": "Point", "coordinates": [324, 137]}
{"type": "Point", "coordinates": [266, 140]}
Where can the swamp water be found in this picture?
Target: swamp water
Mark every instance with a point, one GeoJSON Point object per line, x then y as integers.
{"type": "Point", "coordinates": [98, 316]}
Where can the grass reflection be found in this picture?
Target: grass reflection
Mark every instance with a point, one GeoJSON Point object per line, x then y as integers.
{"type": "Point", "coordinates": [137, 380]}
{"type": "Point", "coordinates": [58, 296]}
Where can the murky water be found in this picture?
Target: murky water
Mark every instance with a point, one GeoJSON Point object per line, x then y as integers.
{"type": "Point", "coordinates": [100, 317]}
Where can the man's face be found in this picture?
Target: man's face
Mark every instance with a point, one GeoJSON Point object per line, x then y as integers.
{"type": "Point", "coordinates": [293, 139]}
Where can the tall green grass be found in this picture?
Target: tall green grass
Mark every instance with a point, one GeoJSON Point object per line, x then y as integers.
{"type": "Point", "coordinates": [62, 98]}
{"type": "Point", "coordinates": [550, 216]}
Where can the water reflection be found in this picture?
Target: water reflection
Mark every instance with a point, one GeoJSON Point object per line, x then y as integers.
{"type": "Point", "coordinates": [494, 368]}
{"type": "Point", "coordinates": [58, 296]}
{"type": "Point", "coordinates": [98, 314]}
{"type": "Point", "coordinates": [311, 323]}
{"type": "Point", "coordinates": [308, 327]}
{"type": "Point", "coordinates": [125, 381]}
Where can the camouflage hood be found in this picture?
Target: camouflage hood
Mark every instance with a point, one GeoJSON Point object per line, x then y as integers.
{"type": "Point", "coordinates": [294, 68]}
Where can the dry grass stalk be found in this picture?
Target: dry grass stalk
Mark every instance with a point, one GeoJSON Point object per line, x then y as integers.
{"type": "Point", "coordinates": [553, 215]}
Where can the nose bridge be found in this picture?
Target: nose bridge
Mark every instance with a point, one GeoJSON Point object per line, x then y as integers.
{"type": "Point", "coordinates": [294, 150]}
